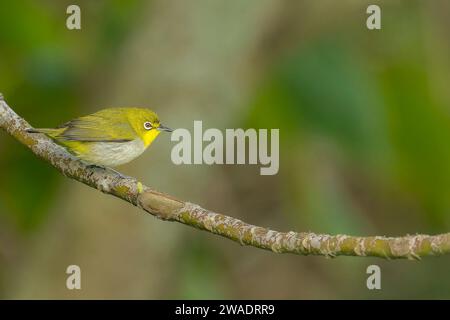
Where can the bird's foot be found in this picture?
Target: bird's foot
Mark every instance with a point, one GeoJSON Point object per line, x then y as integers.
{"type": "Point", "coordinates": [96, 166]}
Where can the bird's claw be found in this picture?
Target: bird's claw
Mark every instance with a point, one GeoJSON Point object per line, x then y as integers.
{"type": "Point", "coordinates": [95, 166]}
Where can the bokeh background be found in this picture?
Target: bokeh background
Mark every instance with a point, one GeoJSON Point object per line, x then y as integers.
{"type": "Point", "coordinates": [364, 120]}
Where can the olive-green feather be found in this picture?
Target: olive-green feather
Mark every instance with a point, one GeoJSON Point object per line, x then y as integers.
{"type": "Point", "coordinates": [109, 125]}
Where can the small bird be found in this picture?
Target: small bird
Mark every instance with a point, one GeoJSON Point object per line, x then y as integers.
{"type": "Point", "coordinates": [110, 137]}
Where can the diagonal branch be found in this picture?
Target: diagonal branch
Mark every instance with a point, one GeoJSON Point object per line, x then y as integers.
{"type": "Point", "coordinates": [166, 207]}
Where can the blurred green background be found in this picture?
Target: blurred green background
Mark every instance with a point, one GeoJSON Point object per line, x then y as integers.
{"type": "Point", "coordinates": [364, 120]}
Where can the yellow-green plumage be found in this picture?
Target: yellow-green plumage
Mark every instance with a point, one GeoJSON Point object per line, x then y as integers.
{"type": "Point", "coordinates": [109, 137]}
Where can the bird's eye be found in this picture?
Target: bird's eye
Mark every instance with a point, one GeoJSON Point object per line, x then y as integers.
{"type": "Point", "coordinates": [147, 126]}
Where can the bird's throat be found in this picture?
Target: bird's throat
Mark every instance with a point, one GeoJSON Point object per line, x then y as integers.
{"type": "Point", "coordinates": [149, 136]}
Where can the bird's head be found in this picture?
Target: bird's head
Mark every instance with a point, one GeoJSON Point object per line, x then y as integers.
{"type": "Point", "coordinates": [146, 124]}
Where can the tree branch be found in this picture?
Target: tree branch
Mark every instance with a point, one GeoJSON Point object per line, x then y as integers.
{"type": "Point", "coordinates": [168, 208]}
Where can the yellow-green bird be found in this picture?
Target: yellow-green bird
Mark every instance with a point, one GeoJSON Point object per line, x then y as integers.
{"type": "Point", "coordinates": [109, 137]}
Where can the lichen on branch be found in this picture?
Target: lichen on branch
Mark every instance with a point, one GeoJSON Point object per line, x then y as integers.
{"type": "Point", "coordinates": [168, 208]}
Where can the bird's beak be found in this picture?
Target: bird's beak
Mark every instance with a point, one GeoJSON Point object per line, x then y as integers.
{"type": "Point", "coordinates": [164, 128]}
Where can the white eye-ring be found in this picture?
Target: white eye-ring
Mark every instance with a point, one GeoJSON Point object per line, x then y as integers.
{"type": "Point", "coordinates": [147, 125]}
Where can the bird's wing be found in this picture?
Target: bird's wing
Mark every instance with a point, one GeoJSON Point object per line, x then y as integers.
{"type": "Point", "coordinates": [103, 126]}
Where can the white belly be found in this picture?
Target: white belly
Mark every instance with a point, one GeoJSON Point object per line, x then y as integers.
{"type": "Point", "coordinates": [112, 154]}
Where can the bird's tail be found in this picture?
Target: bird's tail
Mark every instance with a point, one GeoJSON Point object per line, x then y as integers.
{"type": "Point", "coordinates": [49, 132]}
